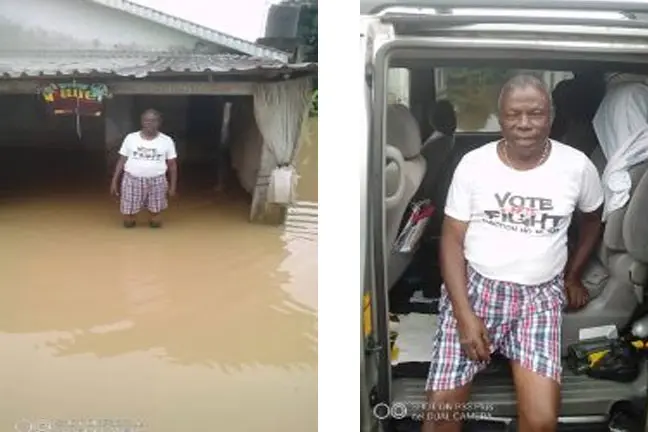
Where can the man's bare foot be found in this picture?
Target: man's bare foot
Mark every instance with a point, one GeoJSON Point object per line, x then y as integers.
{"type": "Point", "coordinates": [155, 221]}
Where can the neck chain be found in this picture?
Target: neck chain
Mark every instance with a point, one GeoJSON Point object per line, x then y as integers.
{"type": "Point", "coordinates": [543, 157]}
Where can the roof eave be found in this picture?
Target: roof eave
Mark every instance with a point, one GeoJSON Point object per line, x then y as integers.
{"type": "Point", "coordinates": [198, 31]}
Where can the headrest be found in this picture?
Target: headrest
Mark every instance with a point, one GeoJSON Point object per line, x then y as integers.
{"type": "Point", "coordinates": [618, 77]}
{"type": "Point", "coordinates": [635, 223]}
{"type": "Point", "coordinates": [403, 131]}
{"type": "Point", "coordinates": [444, 118]}
{"type": "Point", "coordinates": [577, 99]}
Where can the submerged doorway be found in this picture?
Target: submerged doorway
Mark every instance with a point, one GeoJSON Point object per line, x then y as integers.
{"type": "Point", "coordinates": [44, 152]}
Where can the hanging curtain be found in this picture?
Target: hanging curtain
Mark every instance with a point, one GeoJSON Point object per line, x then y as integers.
{"type": "Point", "coordinates": [279, 109]}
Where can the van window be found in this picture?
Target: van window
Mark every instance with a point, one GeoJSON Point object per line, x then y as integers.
{"type": "Point", "coordinates": [474, 93]}
{"type": "Point", "coordinates": [398, 86]}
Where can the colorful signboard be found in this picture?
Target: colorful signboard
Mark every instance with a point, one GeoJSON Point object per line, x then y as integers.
{"type": "Point", "coordinates": [76, 98]}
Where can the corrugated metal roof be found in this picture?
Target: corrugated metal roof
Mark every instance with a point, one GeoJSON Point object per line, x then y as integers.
{"type": "Point", "coordinates": [16, 64]}
{"type": "Point", "coordinates": [196, 30]}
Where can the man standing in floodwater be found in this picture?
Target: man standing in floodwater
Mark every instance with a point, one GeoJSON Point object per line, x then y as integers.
{"type": "Point", "coordinates": [145, 157]}
{"type": "Point", "coordinates": [505, 261]}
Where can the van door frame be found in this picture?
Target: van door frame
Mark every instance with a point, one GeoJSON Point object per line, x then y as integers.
{"type": "Point", "coordinates": [376, 215]}
{"type": "Point", "coordinates": [449, 47]}
{"type": "Point", "coordinates": [373, 324]}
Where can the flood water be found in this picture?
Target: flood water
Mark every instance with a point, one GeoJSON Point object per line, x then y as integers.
{"type": "Point", "coordinates": [209, 323]}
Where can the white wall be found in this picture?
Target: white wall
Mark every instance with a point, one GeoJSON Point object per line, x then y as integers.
{"type": "Point", "coordinates": [80, 24]}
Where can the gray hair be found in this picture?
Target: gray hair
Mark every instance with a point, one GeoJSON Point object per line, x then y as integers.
{"type": "Point", "coordinates": [153, 111]}
{"type": "Point", "coordinates": [521, 82]}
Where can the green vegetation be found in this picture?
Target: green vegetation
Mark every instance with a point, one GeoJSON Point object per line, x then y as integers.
{"type": "Point", "coordinates": [474, 93]}
{"type": "Point", "coordinates": [307, 33]}
{"type": "Point", "coordinates": [313, 106]}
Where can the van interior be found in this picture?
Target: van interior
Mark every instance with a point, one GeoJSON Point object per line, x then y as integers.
{"type": "Point", "coordinates": [431, 140]}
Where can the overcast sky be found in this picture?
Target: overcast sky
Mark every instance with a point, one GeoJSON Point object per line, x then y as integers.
{"type": "Point", "coordinates": [241, 18]}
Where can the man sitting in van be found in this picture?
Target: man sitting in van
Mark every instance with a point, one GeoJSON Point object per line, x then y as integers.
{"type": "Point", "coordinates": [505, 262]}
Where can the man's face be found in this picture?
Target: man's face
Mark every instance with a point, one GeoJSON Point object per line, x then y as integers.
{"type": "Point", "coordinates": [150, 122]}
{"type": "Point", "coordinates": [525, 119]}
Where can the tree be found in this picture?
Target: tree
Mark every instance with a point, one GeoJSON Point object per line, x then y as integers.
{"type": "Point", "coordinates": [308, 32]}
{"type": "Point", "coordinates": [473, 92]}
{"type": "Point", "coordinates": [307, 35]}
{"type": "Point", "coordinates": [307, 27]}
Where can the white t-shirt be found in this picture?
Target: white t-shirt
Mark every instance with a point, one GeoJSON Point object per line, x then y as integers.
{"type": "Point", "coordinates": [518, 220]}
{"type": "Point", "coordinates": [147, 158]}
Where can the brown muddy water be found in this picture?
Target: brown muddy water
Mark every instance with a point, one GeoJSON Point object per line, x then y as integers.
{"type": "Point", "coordinates": [207, 324]}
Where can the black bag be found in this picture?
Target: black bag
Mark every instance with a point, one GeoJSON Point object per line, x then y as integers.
{"type": "Point", "coordinates": [612, 360]}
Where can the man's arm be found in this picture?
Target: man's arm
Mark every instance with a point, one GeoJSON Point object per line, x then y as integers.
{"type": "Point", "coordinates": [473, 335]}
{"type": "Point", "coordinates": [453, 266]}
{"type": "Point", "coordinates": [172, 164]}
{"type": "Point", "coordinates": [589, 230]}
{"type": "Point", "coordinates": [458, 212]}
{"type": "Point", "coordinates": [173, 173]}
{"type": "Point", "coordinates": [119, 167]}
{"type": "Point", "coordinates": [588, 220]}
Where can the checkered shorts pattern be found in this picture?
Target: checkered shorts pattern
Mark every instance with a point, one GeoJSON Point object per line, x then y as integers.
{"type": "Point", "coordinates": [523, 323]}
{"type": "Point", "coordinates": [139, 192]}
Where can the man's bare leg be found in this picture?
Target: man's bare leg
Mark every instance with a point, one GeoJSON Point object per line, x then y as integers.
{"type": "Point", "coordinates": [538, 399]}
{"type": "Point", "coordinates": [155, 220]}
{"type": "Point", "coordinates": [438, 419]}
{"type": "Point", "coordinates": [129, 220]}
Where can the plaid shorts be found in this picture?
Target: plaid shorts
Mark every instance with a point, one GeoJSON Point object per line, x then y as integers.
{"type": "Point", "coordinates": [139, 192]}
{"type": "Point", "coordinates": [523, 323]}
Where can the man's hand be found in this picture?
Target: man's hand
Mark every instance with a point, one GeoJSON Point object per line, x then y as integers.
{"type": "Point", "coordinates": [577, 294]}
{"type": "Point", "coordinates": [114, 189]}
{"type": "Point", "coordinates": [172, 192]}
{"type": "Point", "coordinates": [474, 337]}
{"type": "Point", "coordinates": [589, 229]}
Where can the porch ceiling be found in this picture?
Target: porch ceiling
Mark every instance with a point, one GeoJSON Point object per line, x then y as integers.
{"type": "Point", "coordinates": [136, 64]}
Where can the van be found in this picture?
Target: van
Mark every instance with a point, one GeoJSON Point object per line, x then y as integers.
{"type": "Point", "coordinates": [417, 53]}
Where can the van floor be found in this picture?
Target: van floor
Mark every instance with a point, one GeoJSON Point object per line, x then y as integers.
{"type": "Point", "coordinates": [415, 426]}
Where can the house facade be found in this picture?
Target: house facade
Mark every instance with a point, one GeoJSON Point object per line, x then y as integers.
{"type": "Point", "coordinates": [87, 68]}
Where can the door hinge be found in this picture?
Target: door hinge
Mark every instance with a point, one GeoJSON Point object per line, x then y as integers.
{"type": "Point", "coordinates": [369, 76]}
{"type": "Point", "coordinates": [373, 397]}
{"type": "Point", "coordinates": [372, 346]}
